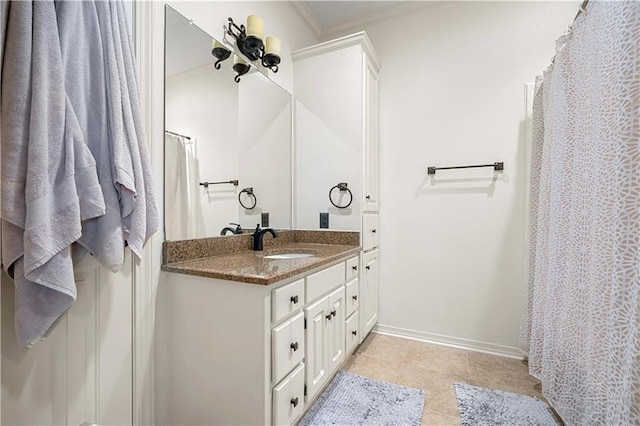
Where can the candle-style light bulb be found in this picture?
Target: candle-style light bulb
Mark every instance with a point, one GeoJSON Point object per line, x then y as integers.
{"type": "Point", "coordinates": [274, 46]}
{"type": "Point", "coordinates": [255, 27]}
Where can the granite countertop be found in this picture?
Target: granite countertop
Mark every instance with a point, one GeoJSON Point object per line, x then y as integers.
{"type": "Point", "coordinates": [209, 257]}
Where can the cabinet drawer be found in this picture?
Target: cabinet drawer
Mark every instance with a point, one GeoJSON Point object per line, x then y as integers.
{"type": "Point", "coordinates": [369, 231]}
{"type": "Point", "coordinates": [352, 300]}
{"type": "Point", "coordinates": [324, 281]}
{"type": "Point", "coordinates": [352, 268]}
{"type": "Point", "coordinates": [288, 398]}
{"type": "Point", "coordinates": [287, 342]}
{"type": "Point", "coordinates": [351, 332]}
{"type": "Point", "coordinates": [287, 299]}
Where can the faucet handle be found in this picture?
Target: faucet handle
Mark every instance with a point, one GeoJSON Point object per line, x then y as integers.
{"type": "Point", "coordinates": [258, 227]}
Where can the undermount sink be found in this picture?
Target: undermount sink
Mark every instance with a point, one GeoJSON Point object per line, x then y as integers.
{"type": "Point", "coordinates": [289, 256]}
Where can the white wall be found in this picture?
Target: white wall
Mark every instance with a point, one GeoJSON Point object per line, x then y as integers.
{"type": "Point", "coordinates": [203, 104]}
{"type": "Point", "coordinates": [451, 93]}
{"type": "Point", "coordinates": [265, 150]}
{"type": "Point", "coordinates": [328, 92]}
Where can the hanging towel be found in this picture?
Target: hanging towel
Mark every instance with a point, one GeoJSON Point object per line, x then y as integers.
{"type": "Point", "coordinates": [112, 124]}
{"type": "Point", "coordinates": [49, 177]}
{"type": "Point", "coordinates": [143, 220]}
{"type": "Point", "coordinates": [86, 73]}
{"type": "Point", "coordinates": [177, 189]}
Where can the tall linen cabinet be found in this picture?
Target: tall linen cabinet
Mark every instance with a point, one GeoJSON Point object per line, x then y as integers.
{"type": "Point", "coordinates": [336, 129]}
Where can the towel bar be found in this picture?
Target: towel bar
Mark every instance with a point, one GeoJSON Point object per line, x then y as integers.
{"type": "Point", "coordinates": [498, 166]}
{"type": "Point", "coordinates": [206, 184]}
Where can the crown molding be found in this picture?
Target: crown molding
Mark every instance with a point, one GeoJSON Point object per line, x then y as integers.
{"type": "Point", "coordinates": [357, 39]}
{"type": "Point", "coordinates": [303, 11]}
{"type": "Point", "coordinates": [400, 8]}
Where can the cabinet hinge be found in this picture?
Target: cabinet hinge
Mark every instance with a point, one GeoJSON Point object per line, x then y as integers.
{"type": "Point", "coordinates": [305, 390]}
{"type": "Point", "coordinates": [305, 323]}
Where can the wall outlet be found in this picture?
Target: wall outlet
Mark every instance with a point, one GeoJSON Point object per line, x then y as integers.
{"type": "Point", "coordinates": [264, 220]}
{"type": "Point", "coordinates": [324, 220]}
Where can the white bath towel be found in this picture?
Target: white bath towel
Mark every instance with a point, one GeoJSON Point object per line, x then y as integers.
{"type": "Point", "coordinates": [49, 177]}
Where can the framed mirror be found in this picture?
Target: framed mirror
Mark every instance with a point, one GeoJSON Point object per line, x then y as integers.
{"type": "Point", "coordinates": [227, 143]}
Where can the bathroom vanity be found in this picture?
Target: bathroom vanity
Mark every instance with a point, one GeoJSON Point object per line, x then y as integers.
{"type": "Point", "coordinates": [253, 337]}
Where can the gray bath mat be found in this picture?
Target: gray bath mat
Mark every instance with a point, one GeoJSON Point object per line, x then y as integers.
{"type": "Point", "coordinates": [481, 406]}
{"type": "Point", "coordinates": [355, 400]}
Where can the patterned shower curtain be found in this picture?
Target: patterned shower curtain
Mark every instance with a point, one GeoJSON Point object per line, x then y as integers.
{"type": "Point", "coordinates": [581, 330]}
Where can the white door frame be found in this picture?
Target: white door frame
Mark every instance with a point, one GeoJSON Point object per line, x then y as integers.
{"type": "Point", "coordinates": [149, 43]}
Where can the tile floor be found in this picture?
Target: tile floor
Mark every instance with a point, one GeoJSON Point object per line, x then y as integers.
{"type": "Point", "coordinates": [435, 369]}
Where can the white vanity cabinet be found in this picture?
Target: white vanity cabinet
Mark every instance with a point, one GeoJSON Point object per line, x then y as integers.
{"type": "Point", "coordinates": [238, 353]}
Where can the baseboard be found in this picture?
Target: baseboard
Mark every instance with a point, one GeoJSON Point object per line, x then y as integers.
{"type": "Point", "coordinates": [453, 342]}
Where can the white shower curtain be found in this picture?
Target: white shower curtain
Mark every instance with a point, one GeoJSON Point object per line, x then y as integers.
{"type": "Point", "coordinates": [581, 330]}
{"type": "Point", "coordinates": [179, 188]}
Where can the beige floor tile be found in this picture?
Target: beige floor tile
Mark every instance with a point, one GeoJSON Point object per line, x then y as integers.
{"type": "Point", "coordinates": [426, 379]}
{"type": "Point", "coordinates": [374, 368]}
{"type": "Point", "coordinates": [442, 401]}
{"type": "Point", "coordinates": [505, 374]}
{"type": "Point", "coordinates": [436, 358]}
{"type": "Point", "coordinates": [484, 362]}
{"type": "Point", "coordinates": [383, 347]}
{"type": "Point", "coordinates": [440, 420]}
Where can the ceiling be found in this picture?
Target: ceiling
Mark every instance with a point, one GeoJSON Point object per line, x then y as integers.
{"type": "Point", "coordinates": [333, 13]}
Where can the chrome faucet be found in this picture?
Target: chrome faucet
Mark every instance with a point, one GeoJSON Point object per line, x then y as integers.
{"type": "Point", "coordinates": [237, 230]}
{"type": "Point", "coordinates": [258, 234]}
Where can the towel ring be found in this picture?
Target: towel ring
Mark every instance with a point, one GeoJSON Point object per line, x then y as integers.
{"type": "Point", "coordinates": [249, 192]}
{"type": "Point", "coordinates": [343, 188]}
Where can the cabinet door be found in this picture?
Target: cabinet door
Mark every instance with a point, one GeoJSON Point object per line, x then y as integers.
{"type": "Point", "coordinates": [371, 190]}
{"type": "Point", "coordinates": [316, 346]}
{"type": "Point", "coordinates": [369, 293]}
{"type": "Point", "coordinates": [336, 328]}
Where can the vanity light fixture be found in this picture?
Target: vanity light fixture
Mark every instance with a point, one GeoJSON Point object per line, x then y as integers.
{"type": "Point", "coordinates": [250, 42]}
{"type": "Point", "coordinates": [219, 51]}
{"type": "Point", "coordinates": [240, 66]}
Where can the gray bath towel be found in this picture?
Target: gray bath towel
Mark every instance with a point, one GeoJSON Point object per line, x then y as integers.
{"type": "Point", "coordinates": [49, 177]}
{"type": "Point", "coordinates": [100, 76]}
{"type": "Point", "coordinates": [140, 221]}
{"type": "Point", "coordinates": [86, 75]}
